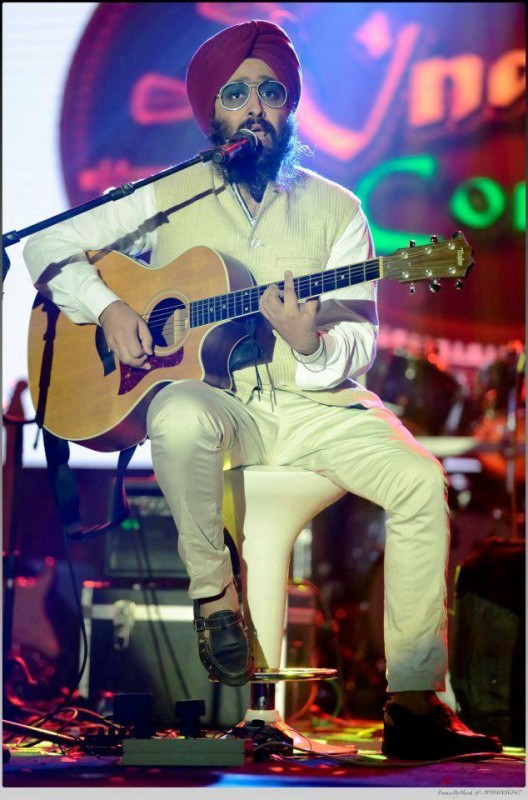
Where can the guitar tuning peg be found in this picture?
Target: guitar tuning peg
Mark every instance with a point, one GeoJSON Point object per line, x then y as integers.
{"type": "Point", "coordinates": [459, 284]}
{"type": "Point", "coordinates": [435, 285]}
{"type": "Point", "coordinates": [434, 239]}
{"type": "Point", "coordinates": [412, 243]}
{"type": "Point", "coordinates": [412, 288]}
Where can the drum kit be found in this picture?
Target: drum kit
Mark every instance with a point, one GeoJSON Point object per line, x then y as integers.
{"type": "Point", "coordinates": [474, 423]}
{"type": "Point", "coordinates": [472, 420]}
{"type": "Point", "coordinates": [484, 421]}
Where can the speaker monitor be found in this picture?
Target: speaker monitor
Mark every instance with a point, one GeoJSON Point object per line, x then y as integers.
{"type": "Point", "coordinates": [144, 546]}
{"type": "Point", "coordinates": [487, 658]}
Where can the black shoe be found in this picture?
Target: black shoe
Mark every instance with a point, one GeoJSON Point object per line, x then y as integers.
{"type": "Point", "coordinates": [433, 736]}
{"type": "Point", "coordinates": [225, 652]}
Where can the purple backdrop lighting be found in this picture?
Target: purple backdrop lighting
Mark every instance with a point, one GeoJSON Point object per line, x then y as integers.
{"type": "Point", "coordinates": [417, 107]}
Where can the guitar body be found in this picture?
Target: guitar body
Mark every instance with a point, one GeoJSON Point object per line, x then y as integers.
{"type": "Point", "coordinates": [79, 389]}
{"type": "Point", "coordinates": [196, 308]}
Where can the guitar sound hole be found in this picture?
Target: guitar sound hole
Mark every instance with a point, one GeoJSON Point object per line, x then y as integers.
{"type": "Point", "coordinates": [168, 322]}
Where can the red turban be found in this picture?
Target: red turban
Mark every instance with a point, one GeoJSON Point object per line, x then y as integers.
{"type": "Point", "coordinates": [220, 56]}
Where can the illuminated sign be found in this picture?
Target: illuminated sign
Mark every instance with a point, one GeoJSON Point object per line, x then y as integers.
{"type": "Point", "coordinates": [417, 108]}
{"type": "Point", "coordinates": [478, 202]}
{"type": "Point", "coordinates": [442, 92]}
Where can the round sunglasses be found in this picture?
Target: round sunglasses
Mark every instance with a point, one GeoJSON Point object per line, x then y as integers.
{"type": "Point", "coordinates": [236, 94]}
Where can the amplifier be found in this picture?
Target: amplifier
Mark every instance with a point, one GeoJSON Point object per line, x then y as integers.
{"type": "Point", "coordinates": [144, 546]}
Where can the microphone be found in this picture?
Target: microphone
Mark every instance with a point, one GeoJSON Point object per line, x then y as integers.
{"type": "Point", "coordinates": [245, 142]}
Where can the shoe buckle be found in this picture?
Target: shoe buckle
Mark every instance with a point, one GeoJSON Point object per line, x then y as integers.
{"type": "Point", "coordinates": [199, 625]}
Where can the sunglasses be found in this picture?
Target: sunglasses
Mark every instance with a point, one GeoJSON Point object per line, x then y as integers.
{"type": "Point", "coordinates": [235, 95]}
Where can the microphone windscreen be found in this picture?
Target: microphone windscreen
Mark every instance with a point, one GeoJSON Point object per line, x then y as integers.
{"type": "Point", "coordinates": [251, 136]}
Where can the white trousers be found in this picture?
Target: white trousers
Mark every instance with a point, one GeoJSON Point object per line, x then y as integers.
{"type": "Point", "coordinates": [194, 426]}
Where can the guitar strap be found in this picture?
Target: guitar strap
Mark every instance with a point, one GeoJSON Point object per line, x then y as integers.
{"type": "Point", "coordinates": [65, 490]}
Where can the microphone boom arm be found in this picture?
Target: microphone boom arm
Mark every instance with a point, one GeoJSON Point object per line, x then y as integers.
{"type": "Point", "coordinates": [245, 141]}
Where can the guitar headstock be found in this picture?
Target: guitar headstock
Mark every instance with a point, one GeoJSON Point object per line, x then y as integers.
{"type": "Point", "coordinates": [430, 262]}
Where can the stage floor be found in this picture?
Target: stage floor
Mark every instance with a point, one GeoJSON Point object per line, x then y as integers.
{"type": "Point", "coordinates": [44, 765]}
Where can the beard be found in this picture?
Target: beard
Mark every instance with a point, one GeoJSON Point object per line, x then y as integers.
{"type": "Point", "coordinates": [278, 162]}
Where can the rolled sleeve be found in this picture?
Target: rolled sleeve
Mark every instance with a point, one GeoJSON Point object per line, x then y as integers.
{"type": "Point", "coordinates": [56, 257]}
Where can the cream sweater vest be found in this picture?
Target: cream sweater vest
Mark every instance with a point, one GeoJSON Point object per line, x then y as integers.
{"type": "Point", "coordinates": [202, 209]}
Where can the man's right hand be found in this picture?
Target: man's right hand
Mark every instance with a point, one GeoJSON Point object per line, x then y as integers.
{"type": "Point", "coordinates": [127, 334]}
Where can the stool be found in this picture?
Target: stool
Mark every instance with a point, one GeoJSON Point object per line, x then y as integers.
{"type": "Point", "coordinates": [265, 509]}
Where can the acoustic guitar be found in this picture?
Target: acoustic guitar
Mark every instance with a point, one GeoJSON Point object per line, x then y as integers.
{"type": "Point", "coordinates": [196, 308]}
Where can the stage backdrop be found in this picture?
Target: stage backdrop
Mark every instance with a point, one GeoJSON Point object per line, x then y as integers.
{"type": "Point", "coordinates": [417, 107]}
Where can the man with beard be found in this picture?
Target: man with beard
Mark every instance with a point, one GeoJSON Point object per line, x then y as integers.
{"type": "Point", "coordinates": [296, 401]}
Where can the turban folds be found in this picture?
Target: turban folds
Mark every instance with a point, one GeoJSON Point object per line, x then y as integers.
{"type": "Point", "coordinates": [220, 56]}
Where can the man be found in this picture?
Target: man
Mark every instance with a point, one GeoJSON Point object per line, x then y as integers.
{"type": "Point", "coordinates": [297, 402]}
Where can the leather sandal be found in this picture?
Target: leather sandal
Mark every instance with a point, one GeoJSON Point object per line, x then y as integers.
{"type": "Point", "coordinates": [226, 651]}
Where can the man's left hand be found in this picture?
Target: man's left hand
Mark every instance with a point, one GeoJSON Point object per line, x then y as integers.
{"type": "Point", "coordinates": [295, 322]}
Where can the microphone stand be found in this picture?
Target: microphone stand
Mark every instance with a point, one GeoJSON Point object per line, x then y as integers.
{"type": "Point", "coordinates": [114, 194]}
{"type": "Point", "coordinates": [240, 142]}
{"type": "Point", "coordinates": [14, 420]}
{"type": "Point", "coordinates": [218, 155]}
{"type": "Point", "coordinates": [13, 237]}
{"type": "Point", "coordinates": [512, 455]}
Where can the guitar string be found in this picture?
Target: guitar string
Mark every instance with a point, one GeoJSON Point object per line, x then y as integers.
{"type": "Point", "coordinates": [204, 307]}
{"type": "Point", "coordinates": [201, 308]}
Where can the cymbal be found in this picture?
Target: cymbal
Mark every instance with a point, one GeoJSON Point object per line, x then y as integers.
{"type": "Point", "coordinates": [452, 446]}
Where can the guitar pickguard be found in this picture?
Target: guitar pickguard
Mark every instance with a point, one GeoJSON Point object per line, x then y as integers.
{"type": "Point", "coordinates": [132, 376]}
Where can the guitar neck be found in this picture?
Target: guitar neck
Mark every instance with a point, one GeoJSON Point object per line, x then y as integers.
{"type": "Point", "coordinates": [244, 302]}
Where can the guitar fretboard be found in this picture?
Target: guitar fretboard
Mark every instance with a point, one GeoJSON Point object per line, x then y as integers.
{"type": "Point", "coordinates": [246, 301]}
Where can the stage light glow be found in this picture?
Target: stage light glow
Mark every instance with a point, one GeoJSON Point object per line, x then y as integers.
{"type": "Point", "coordinates": [519, 206]}
{"type": "Point", "coordinates": [478, 202]}
{"type": "Point", "coordinates": [375, 34]}
{"type": "Point", "coordinates": [384, 83]}
{"type": "Point", "coordinates": [386, 240]}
